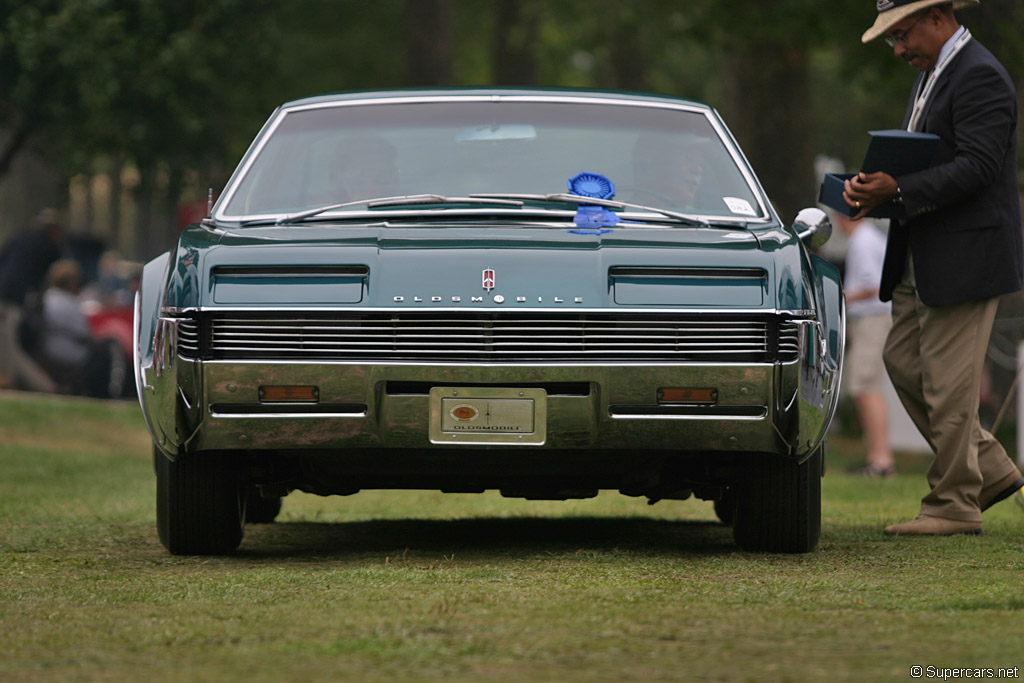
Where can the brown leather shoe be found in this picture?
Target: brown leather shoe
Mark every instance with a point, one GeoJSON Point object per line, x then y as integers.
{"type": "Point", "coordinates": [1001, 490]}
{"type": "Point", "coordinates": [926, 525]}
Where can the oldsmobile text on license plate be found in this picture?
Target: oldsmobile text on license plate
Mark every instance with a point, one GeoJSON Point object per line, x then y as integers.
{"type": "Point", "coordinates": [488, 415]}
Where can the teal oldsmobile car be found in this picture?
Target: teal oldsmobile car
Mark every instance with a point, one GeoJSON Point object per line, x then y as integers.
{"type": "Point", "coordinates": [548, 293]}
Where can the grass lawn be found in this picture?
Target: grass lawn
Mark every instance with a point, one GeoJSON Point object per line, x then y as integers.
{"type": "Point", "coordinates": [386, 585]}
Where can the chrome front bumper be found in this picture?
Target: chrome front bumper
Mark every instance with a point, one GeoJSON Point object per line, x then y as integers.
{"type": "Point", "coordinates": [212, 405]}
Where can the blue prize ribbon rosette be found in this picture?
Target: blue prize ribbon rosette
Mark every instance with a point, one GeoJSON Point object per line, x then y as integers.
{"type": "Point", "coordinates": [594, 185]}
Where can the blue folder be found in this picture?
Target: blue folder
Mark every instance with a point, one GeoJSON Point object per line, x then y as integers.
{"type": "Point", "coordinates": [897, 152]}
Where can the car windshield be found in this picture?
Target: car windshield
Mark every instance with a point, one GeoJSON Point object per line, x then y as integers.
{"type": "Point", "coordinates": [670, 158]}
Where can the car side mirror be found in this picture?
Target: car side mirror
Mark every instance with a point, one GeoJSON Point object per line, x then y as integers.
{"type": "Point", "coordinates": [813, 227]}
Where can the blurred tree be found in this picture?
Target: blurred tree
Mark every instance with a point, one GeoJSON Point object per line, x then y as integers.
{"type": "Point", "coordinates": [1000, 26]}
{"type": "Point", "coordinates": [428, 43]}
{"type": "Point", "coordinates": [325, 46]}
{"type": "Point", "coordinates": [153, 83]}
{"type": "Point", "coordinates": [777, 133]}
{"type": "Point", "coordinates": [178, 90]}
{"type": "Point", "coordinates": [627, 36]}
{"type": "Point", "coordinates": [139, 76]}
{"type": "Point", "coordinates": [764, 49]}
{"type": "Point", "coordinates": [179, 97]}
{"type": "Point", "coordinates": [516, 41]}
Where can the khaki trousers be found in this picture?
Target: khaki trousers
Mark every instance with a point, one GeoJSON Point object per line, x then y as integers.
{"type": "Point", "coordinates": [934, 357]}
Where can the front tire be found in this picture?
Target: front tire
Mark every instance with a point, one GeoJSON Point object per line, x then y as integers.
{"type": "Point", "coordinates": [200, 504]}
{"type": "Point", "coordinates": [778, 507]}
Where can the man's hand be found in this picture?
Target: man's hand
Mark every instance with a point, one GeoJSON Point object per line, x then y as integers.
{"type": "Point", "coordinates": [865, 191]}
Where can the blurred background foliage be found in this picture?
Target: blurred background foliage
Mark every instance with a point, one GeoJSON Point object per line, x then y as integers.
{"type": "Point", "coordinates": [125, 111]}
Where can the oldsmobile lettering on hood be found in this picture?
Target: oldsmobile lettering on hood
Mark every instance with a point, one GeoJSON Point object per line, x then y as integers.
{"type": "Point", "coordinates": [497, 298]}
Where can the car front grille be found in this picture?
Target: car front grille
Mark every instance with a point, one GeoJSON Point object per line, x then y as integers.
{"type": "Point", "coordinates": [188, 337]}
{"type": "Point", "coordinates": [488, 338]}
{"type": "Point", "coordinates": [789, 341]}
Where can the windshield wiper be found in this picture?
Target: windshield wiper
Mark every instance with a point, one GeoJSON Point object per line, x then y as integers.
{"type": "Point", "coordinates": [404, 200]}
{"type": "Point", "coordinates": [512, 200]}
{"type": "Point", "coordinates": [578, 200]}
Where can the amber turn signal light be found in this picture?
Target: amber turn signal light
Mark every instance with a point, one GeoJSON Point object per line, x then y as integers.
{"type": "Point", "coordinates": [687, 395]}
{"type": "Point", "coordinates": [299, 394]}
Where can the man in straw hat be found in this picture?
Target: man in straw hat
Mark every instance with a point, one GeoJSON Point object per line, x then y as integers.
{"type": "Point", "coordinates": [948, 261]}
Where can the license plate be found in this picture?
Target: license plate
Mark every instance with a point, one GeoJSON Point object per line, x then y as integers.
{"type": "Point", "coordinates": [488, 415]}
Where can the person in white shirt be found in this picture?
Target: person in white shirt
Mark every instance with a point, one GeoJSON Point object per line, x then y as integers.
{"type": "Point", "coordinates": [67, 338]}
{"type": "Point", "coordinates": [868, 323]}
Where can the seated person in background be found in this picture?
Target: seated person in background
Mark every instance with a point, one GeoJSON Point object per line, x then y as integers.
{"type": "Point", "coordinates": [111, 288]}
{"type": "Point", "coordinates": [67, 338]}
{"type": "Point", "coordinates": [24, 260]}
{"type": "Point", "coordinates": [667, 170]}
{"type": "Point", "coordinates": [365, 168]}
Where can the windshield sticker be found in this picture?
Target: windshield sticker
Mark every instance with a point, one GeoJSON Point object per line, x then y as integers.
{"type": "Point", "coordinates": [740, 206]}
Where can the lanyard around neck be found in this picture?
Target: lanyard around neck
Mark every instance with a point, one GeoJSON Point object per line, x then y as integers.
{"type": "Point", "coordinates": [926, 92]}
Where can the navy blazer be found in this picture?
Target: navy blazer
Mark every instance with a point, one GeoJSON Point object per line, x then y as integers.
{"type": "Point", "coordinates": [964, 220]}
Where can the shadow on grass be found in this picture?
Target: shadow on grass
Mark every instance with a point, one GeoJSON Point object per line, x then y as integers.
{"type": "Point", "coordinates": [485, 536]}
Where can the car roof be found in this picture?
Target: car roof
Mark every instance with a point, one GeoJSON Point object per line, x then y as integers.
{"type": "Point", "coordinates": [478, 92]}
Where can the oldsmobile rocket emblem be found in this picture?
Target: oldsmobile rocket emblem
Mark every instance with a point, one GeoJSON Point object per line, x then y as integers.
{"type": "Point", "coordinates": [488, 279]}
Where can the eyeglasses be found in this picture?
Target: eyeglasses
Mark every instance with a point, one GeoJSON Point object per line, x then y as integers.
{"type": "Point", "coordinates": [891, 40]}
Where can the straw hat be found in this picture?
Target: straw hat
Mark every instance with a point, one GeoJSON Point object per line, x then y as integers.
{"type": "Point", "coordinates": [892, 12]}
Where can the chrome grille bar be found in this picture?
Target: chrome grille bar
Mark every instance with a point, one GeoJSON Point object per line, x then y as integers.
{"type": "Point", "coordinates": [188, 337]}
{"type": "Point", "coordinates": [488, 337]}
{"type": "Point", "coordinates": [789, 341]}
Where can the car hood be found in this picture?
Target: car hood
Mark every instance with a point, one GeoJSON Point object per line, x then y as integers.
{"type": "Point", "coordinates": [478, 267]}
